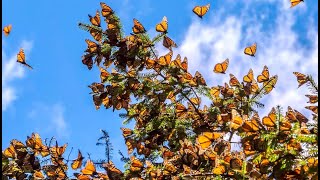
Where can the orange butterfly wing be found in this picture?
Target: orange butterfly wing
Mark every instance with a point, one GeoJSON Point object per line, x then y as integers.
{"type": "Point", "coordinates": [221, 67]}
{"type": "Point", "coordinates": [7, 30]}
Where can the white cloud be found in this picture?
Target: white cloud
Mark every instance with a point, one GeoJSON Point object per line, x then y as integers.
{"type": "Point", "coordinates": [54, 115]}
{"type": "Point", "coordinates": [11, 71]}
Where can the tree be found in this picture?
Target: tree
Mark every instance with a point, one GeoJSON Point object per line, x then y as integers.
{"type": "Point", "coordinates": [188, 139]}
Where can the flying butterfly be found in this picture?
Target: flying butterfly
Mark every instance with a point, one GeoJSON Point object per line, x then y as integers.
{"type": "Point", "coordinates": [137, 27]}
{"type": "Point", "coordinates": [163, 25]}
{"type": "Point", "coordinates": [201, 10]}
{"type": "Point", "coordinates": [106, 10]}
{"type": "Point", "coordinates": [205, 139]}
{"type": "Point", "coordinates": [264, 76]}
{"type": "Point", "coordinates": [251, 50]}
{"type": "Point", "coordinates": [249, 77]}
{"type": "Point", "coordinates": [221, 67]}
{"type": "Point", "coordinates": [270, 120]}
{"type": "Point", "coordinates": [301, 78]}
{"type": "Point", "coordinates": [76, 164]}
{"type": "Point", "coordinates": [89, 169]}
{"type": "Point", "coordinates": [168, 42]}
{"type": "Point", "coordinates": [295, 2]}
{"type": "Point", "coordinates": [7, 30]}
{"type": "Point", "coordinates": [269, 85]}
{"type": "Point", "coordinates": [96, 19]}
{"type": "Point", "coordinates": [21, 58]}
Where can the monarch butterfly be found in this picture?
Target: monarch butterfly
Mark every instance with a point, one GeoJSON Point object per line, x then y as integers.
{"type": "Point", "coordinates": [113, 172]}
{"type": "Point", "coordinates": [166, 59]}
{"type": "Point", "coordinates": [168, 166]}
{"type": "Point", "coordinates": [137, 27]}
{"type": "Point", "coordinates": [89, 169]}
{"type": "Point", "coordinates": [314, 109]}
{"type": "Point", "coordinates": [205, 139]}
{"type": "Point", "coordinates": [97, 87]}
{"type": "Point", "coordinates": [38, 175]}
{"type": "Point", "coordinates": [7, 30]}
{"type": "Point", "coordinates": [168, 42]}
{"type": "Point", "coordinates": [104, 74]}
{"type": "Point", "coordinates": [253, 125]}
{"type": "Point", "coordinates": [236, 164]}
{"type": "Point", "coordinates": [106, 10]}
{"type": "Point", "coordinates": [249, 77]}
{"type": "Point", "coordinates": [301, 78]}
{"type": "Point", "coordinates": [136, 164]}
{"type": "Point", "coordinates": [58, 151]}
{"type": "Point", "coordinates": [199, 79]}
{"type": "Point", "coordinates": [264, 75]}
{"type": "Point", "coordinates": [221, 67]}
{"type": "Point", "coordinates": [195, 101]}
{"type": "Point", "coordinates": [270, 120]}
{"type": "Point", "coordinates": [312, 98]}
{"type": "Point", "coordinates": [300, 117]}
{"type": "Point", "coordinates": [126, 132]}
{"type": "Point", "coordinates": [254, 86]}
{"type": "Point", "coordinates": [248, 149]}
{"type": "Point", "coordinates": [87, 60]}
{"type": "Point", "coordinates": [81, 176]}
{"type": "Point", "coordinates": [96, 19]}
{"type": "Point", "coordinates": [92, 46]}
{"type": "Point", "coordinates": [251, 50]}
{"type": "Point", "coordinates": [226, 90]}
{"type": "Point", "coordinates": [163, 25]}
{"type": "Point", "coordinates": [233, 80]}
{"type": "Point", "coordinates": [10, 152]}
{"type": "Point", "coordinates": [166, 153]}
{"type": "Point", "coordinates": [236, 121]}
{"type": "Point", "coordinates": [269, 85]}
{"type": "Point", "coordinates": [181, 110]}
{"type": "Point", "coordinates": [201, 10]}
{"type": "Point", "coordinates": [295, 2]}
{"type": "Point", "coordinates": [130, 145]}
{"type": "Point", "coordinates": [215, 91]}
{"type": "Point", "coordinates": [21, 58]}
{"type": "Point", "coordinates": [76, 164]}
{"type": "Point", "coordinates": [96, 35]}
{"type": "Point", "coordinates": [35, 143]}
{"type": "Point", "coordinates": [293, 145]}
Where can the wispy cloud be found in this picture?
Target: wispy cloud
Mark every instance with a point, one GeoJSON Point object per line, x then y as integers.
{"type": "Point", "coordinates": [279, 47]}
{"type": "Point", "coordinates": [50, 119]}
{"type": "Point", "coordinates": [11, 71]}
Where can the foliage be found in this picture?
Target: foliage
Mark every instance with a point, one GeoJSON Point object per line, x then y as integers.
{"type": "Point", "coordinates": [176, 135]}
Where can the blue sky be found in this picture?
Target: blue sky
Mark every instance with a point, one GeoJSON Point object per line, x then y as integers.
{"type": "Point", "coordinates": [53, 99]}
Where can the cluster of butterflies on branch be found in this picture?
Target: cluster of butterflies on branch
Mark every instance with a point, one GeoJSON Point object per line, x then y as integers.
{"type": "Point", "coordinates": [169, 120]}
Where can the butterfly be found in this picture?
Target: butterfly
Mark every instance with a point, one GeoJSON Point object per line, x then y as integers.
{"type": "Point", "coordinates": [168, 42]}
{"type": "Point", "coordinates": [163, 25]}
{"type": "Point", "coordinates": [87, 60]}
{"type": "Point", "coordinates": [314, 109]}
{"type": "Point", "coordinates": [295, 2]}
{"type": "Point", "coordinates": [35, 143]}
{"type": "Point", "coordinates": [126, 132]}
{"type": "Point", "coordinates": [251, 50]}
{"type": "Point", "coordinates": [57, 151]}
{"type": "Point", "coordinates": [92, 46]}
{"type": "Point", "coordinates": [221, 67]}
{"type": "Point", "coordinates": [201, 10]}
{"type": "Point", "coordinates": [312, 98]}
{"type": "Point", "coordinates": [264, 75]}
{"type": "Point", "coordinates": [104, 74]}
{"type": "Point", "coordinates": [233, 80]}
{"type": "Point", "coordinates": [96, 19]}
{"type": "Point", "coordinates": [106, 10]}
{"type": "Point", "coordinates": [270, 120]}
{"type": "Point", "coordinates": [218, 170]}
{"type": "Point", "coordinates": [285, 126]}
{"type": "Point", "coordinates": [269, 85]}
{"type": "Point", "coordinates": [249, 77]}
{"type": "Point", "coordinates": [76, 164]}
{"type": "Point", "coordinates": [236, 121]}
{"type": "Point", "coordinates": [38, 175]}
{"type": "Point", "coordinates": [205, 139]}
{"type": "Point", "coordinates": [7, 30]}
{"type": "Point", "coordinates": [89, 169]}
{"type": "Point", "coordinates": [96, 34]}
{"type": "Point", "coordinates": [300, 117]}
{"type": "Point", "coordinates": [113, 172]}
{"type": "Point", "coordinates": [137, 27]}
{"type": "Point", "coordinates": [301, 78]}
{"type": "Point", "coordinates": [181, 110]}
{"type": "Point", "coordinates": [253, 125]}
{"type": "Point", "coordinates": [136, 164]}
{"type": "Point", "coordinates": [166, 59]}
{"type": "Point", "coordinates": [198, 78]}
{"type": "Point", "coordinates": [21, 58]}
